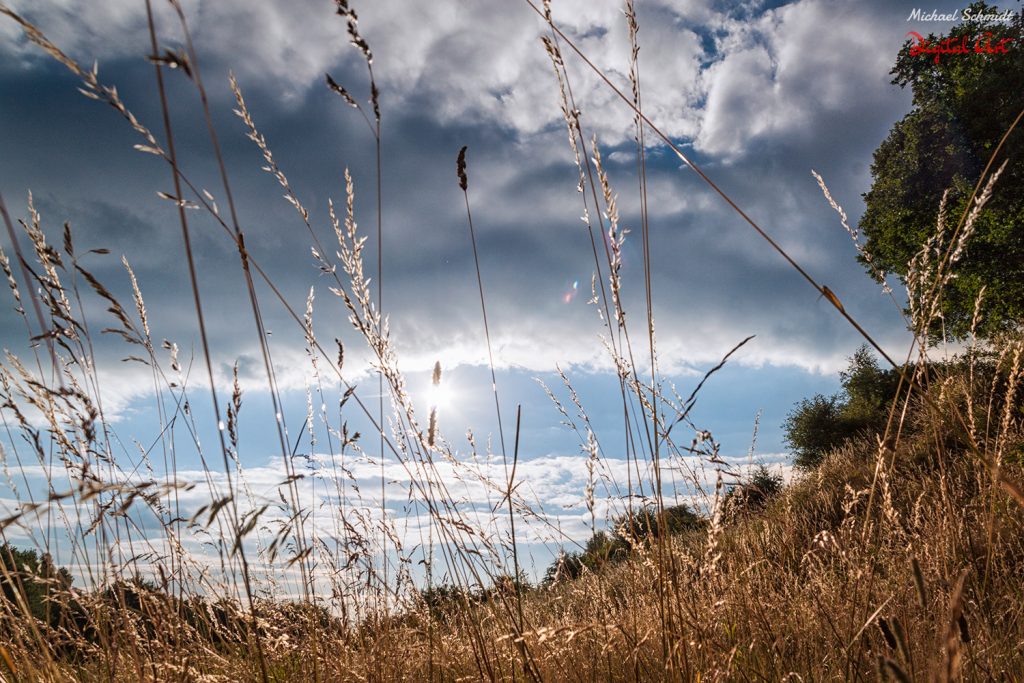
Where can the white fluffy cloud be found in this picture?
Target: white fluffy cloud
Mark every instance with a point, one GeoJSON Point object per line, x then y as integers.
{"type": "Point", "coordinates": [552, 500]}
{"type": "Point", "coordinates": [724, 79]}
{"type": "Point", "coordinates": [288, 44]}
{"type": "Point", "coordinates": [792, 65]}
{"type": "Point", "coordinates": [481, 61]}
{"type": "Point", "coordinates": [768, 73]}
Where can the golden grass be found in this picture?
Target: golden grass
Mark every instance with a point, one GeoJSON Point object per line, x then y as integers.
{"type": "Point", "coordinates": [900, 557]}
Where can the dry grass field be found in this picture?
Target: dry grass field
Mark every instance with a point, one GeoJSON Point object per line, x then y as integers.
{"type": "Point", "coordinates": [899, 557]}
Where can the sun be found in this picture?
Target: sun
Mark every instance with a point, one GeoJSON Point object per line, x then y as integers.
{"type": "Point", "coordinates": [439, 393]}
{"type": "Point", "coordinates": [439, 396]}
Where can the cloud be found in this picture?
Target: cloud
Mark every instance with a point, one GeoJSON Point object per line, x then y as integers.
{"type": "Point", "coordinates": [468, 63]}
{"type": "Point", "coordinates": [790, 69]}
{"type": "Point", "coordinates": [342, 494]}
{"type": "Point", "coordinates": [290, 46]}
{"type": "Point", "coordinates": [760, 95]}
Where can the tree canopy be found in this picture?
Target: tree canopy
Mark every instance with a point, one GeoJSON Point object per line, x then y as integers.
{"type": "Point", "coordinates": [35, 578]}
{"type": "Point", "coordinates": [963, 104]}
{"type": "Point", "coordinates": [821, 424]}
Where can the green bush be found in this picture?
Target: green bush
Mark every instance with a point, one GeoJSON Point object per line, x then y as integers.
{"type": "Point", "coordinates": [753, 493]}
{"type": "Point", "coordinates": [820, 424]}
{"type": "Point", "coordinates": [628, 531]}
{"type": "Point", "coordinates": [644, 525]}
{"type": "Point", "coordinates": [568, 567]}
{"type": "Point", "coordinates": [38, 581]}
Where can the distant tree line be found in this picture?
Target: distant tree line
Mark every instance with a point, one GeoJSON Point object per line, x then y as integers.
{"type": "Point", "coordinates": [644, 527]}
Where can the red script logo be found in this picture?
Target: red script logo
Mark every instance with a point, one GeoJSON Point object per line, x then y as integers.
{"type": "Point", "coordinates": [986, 44]}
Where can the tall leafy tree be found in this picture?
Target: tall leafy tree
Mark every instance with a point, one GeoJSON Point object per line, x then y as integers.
{"type": "Point", "coordinates": [962, 106]}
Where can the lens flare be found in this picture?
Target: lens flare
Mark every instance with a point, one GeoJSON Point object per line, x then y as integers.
{"type": "Point", "coordinates": [571, 293]}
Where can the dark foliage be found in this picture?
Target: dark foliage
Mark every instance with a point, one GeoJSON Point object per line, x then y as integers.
{"type": "Point", "coordinates": [33, 581]}
{"type": "Point", "coordinates": [445, 601]}
{"type": "Point", "coordinates": [627, 532]}
{"type": "Point", "coordinates": [820, 424]}
{"type": "Point", "coordinates": [963, 104]}
{"type": "Point", "coordinates": [753, 493]}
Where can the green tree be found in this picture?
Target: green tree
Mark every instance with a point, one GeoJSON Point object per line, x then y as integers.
{"type": "Point", "coordinates": [869, 389]}
{"type": "Point", "coordinates": [962, 106]}
{"type": "Point", "coordinates": [610, 547]}
{"type": "Point", "coordinates": [820, 424]}
{"type": "Point", "coordinates": [39, 582]}
{"type": "Point", "coordinates": [445, 600]}
{"type": "Point", "coordinates": [604, 548]}
{"type": "Point", "coordinates": [645, 525]}
{"type": "Point", "coordinates": [566, 567]}
{"type": "Point", "coordinates": [813, 428]}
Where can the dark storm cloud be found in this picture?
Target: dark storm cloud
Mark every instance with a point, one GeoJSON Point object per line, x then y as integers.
{"type": "Point", "coordinates": [759, 94]}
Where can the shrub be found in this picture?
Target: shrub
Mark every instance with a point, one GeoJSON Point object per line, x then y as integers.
{"type": "Point", "coordinates": [568, 567]}
{"type": "Point", "coordinates": [820, 424]}
{"type": "Point", "coordinates": [812, 429]}
{"type": "Point", "coordinates": [628, 531]}
{"type": "Point", "coordinates": [644, 525]}
{"type": "Point", "coordinates": [753, 493]}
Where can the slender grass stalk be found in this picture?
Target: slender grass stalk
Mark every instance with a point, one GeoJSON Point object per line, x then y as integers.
{"type": "Point", "coordinates": [197, 302]}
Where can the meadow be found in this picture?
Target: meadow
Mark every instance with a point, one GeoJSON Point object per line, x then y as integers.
{"type": "Point", "coordinates": [896, 555]}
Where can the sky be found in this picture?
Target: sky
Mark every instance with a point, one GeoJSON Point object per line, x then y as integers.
{"type": "Point", "coordinates": [757, 93]}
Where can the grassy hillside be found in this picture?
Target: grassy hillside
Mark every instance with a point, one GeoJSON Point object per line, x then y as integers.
{"type": "Point", "coordinates": [903, 564]}
{"type": "Point", "coordinates": [900, 563]}
{"type": "Point", "coordinates": [896, 552]}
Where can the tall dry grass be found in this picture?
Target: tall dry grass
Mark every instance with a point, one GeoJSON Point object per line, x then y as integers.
{"type": "Point", "coordinates": [899, 558]}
